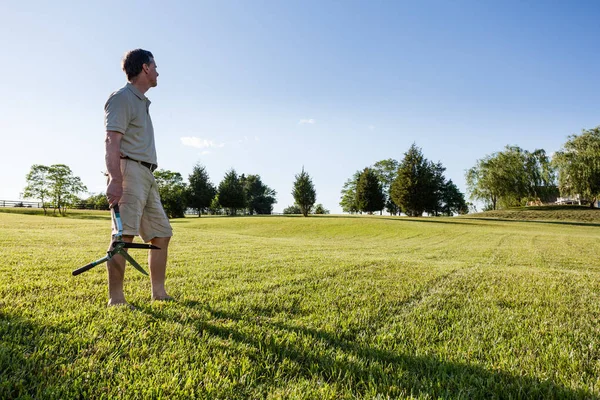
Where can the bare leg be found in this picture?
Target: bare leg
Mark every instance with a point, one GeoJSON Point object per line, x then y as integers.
{"type": "Point", "coordinates": [157, 261]}
{"type": "Point", "coordinates": [116, 273]}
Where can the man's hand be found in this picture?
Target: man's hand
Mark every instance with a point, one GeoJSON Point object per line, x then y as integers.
{"type": "Point", "coordinates": [114, 191]}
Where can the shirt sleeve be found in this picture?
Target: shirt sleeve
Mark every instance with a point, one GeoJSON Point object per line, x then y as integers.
{"type": "Point", "coordinates": [116, 113]}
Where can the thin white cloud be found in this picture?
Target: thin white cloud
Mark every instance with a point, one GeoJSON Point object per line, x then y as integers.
{"type": "Point", "coordinates": [205, 152]}
{"type": "Point", "coordinates": [199, 143]}
{"type": "Point", "coordinates": [371, 127]}
{"type": "Point", "coordinates": [307, 121]}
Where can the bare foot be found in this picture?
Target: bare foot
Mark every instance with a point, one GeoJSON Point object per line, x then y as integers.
{"type": "Point", "coordinates": [117, 303]}
{"type": "Point", "coordinates": [164, 297]}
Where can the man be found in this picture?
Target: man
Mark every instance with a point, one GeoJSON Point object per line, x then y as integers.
{"type": "Point", "coordinates": [130, 161]}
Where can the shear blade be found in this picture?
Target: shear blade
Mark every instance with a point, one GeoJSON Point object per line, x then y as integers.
{"type": "Point", "coordinates": [133, 262]}
{"type": "Point", "coordinates": [140, 246]}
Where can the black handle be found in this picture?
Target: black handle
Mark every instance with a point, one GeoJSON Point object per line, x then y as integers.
{"type": "Point", "coordinates": [84, 268]}
{"type": "Point", "coordinates": [116, 208]}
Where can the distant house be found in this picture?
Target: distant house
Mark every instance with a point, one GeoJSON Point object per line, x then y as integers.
{"type": "Point", "coordinates": [576, 199]}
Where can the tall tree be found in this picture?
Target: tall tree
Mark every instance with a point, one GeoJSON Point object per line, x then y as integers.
{"type": "Point", "coordinates": [37, 184]}
{"type": "Point", "coordinates": [435, 184]}
{"type": "Point", "coordinates": [453, 200]}
{"type": "Point", "coordinates": [173, 192]}
{"type": "Point", "coordinates": [386, 172]}
{"type": "Point", "coordinates": [578, 164]}
{"type": "Point", "coordinates": [304, 192]}
{"type": "Point", "coordinates": [231, 192]}
{"type": "Point", "coordinates": [413, 181]}
{"type": "Point", "coordinates": [348, 200]}
{"type": "Point", "coordinates": [369, 193]}
{"type": "Point", "coordinates": [259, 197]}
{"type": "Point", "coordinates": [64, 187]}
{"type": "Point", "coordinates": [201, 191]}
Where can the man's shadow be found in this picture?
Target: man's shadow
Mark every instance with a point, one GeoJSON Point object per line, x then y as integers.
{"type": "Point", "coordinates": [393, 374]}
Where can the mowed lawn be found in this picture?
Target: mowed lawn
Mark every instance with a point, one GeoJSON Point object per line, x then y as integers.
{"type": "Point", "coordinates": [323, 307]}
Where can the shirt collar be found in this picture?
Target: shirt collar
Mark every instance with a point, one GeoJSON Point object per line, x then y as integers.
{"type": "Point", "coordinates": [135, 91]}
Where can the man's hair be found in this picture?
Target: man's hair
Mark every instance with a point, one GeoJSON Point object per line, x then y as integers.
{"type": "Point", "coordinates": [133, 61]}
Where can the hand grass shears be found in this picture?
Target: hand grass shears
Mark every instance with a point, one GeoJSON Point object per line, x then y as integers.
{"type": "Point", "coordinates": [118, 246]}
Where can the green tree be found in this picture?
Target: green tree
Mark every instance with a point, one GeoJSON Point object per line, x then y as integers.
{"type": "Point", "coordinates": [231, 192]}
{"type": "Point", "coordinates": [386, 172]}
{"type": "Point", "coordinates": [369, 193]}
{"type": "Point", "coordinates": [201, 191]}
{"type": "Point", "coordinates": [319, 209]}
{"type": "Point", "coordinates": [293, 209]}
{"type": "Point", "coordinates": [215, 207]}
{"type": "Point", "coordinates": [510, 177]}
{"type": "Point", "coordinates": [453, 200]}
{"type": "Point", "coordinates": [64, 187]}
{"type": "Point", "coordinates": [412, 183]}
{"type": "Point", "coordinates": [348, 200]}
{"type": "Point", "coordinates": [436, 184]}
{"type": "Point", "coordinates": [259, 197]}
{"type": "Point", "coordinates": [304, 192]}
{"type": "Point", "coordinates": [38, 186]}
{"type": "Point", "coordinates": [172, 192]}
{"type": "Point", "coordinates": [578, 165]}
{"type": "Point", "coordinates": [97, 202]}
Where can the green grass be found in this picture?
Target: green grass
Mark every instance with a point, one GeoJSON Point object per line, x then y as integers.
{"type": "Point", "coordinates": [322, 307]}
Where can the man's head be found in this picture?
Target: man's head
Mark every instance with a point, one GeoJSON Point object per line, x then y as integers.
{"type": "Point", "coordinates": [139, 64]}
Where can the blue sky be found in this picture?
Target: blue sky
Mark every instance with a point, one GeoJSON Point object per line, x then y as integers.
{"type": "Point", "coordinates": [269, 87]}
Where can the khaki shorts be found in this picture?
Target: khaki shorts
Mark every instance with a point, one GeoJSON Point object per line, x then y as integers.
{"type": "Point", "coordinates": [141, 211]}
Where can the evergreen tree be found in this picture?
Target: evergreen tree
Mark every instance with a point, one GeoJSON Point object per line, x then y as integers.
{"type": "Point", "coordinates": [452, 200]}
{"type": "Point", "coordinates": [259, 197]}
{"type": "Point", "coordinates": [304, 192]}
{"type": "Point", "coordinates": [410, 189]}
{"type": "Point", "coordinates": [201, 191]}
{"type": "Point", "coordinates": [369, 193]}
{"type": "Point", "coordinates": [231, 192]}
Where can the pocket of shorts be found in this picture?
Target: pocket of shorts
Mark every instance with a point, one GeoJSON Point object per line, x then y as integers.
{"type": "Point", "coordinates": [124, 166]}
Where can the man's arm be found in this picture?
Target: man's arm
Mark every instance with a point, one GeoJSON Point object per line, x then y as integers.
{"type": "Point", "coordinates": [114, 190]}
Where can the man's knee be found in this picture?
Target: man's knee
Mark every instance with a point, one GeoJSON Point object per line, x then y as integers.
{"type": "Point", "coordinates": [161, 242]}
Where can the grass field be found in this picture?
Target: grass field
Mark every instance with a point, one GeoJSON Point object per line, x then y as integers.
{"type": "Point", "coordinates": [304, 308]}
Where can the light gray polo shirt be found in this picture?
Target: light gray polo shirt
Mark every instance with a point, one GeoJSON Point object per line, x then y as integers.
{"type": "Point", "coordinates": [128, 111]}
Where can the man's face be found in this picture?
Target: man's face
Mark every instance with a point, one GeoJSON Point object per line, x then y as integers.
{"type": "Point", "coordinates": [152, 73]}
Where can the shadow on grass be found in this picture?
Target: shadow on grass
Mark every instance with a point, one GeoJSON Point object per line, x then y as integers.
{"type": "Point", "coordinates": [331, 358]}
{"type": "Point", "coordinates": [21, 375]}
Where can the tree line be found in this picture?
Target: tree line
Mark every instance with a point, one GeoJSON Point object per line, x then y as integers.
{"type": "Point", "coordinates": [413, 186]}
{"type": "Point", "coordinates": [57, 187]}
